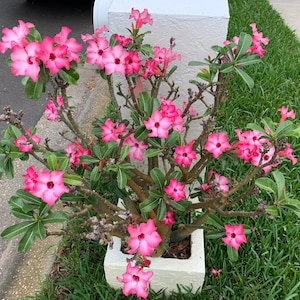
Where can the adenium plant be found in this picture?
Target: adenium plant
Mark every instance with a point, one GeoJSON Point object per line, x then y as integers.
{"type": "Point", "coordinates": [147, 159]}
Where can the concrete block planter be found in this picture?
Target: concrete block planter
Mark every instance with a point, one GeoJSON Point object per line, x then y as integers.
{"type": "Point", "coordinates": [168, 272]}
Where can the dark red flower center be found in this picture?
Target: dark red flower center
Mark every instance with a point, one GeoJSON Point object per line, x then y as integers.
{"type": "Point", "coordinates": [52, 56]}
{"type": "Point", "coordinates": [218, 145]}
{"type": "Point", "coordinates": [50, 185]}
{"type": "Point", "coordinates": [156, 124]}
{"type": "Point", "coordinates": [117, 61]}
{"type": "Point", "coordinates": [135, 278]}
{"type": "Point", "coordinates": [141, 236]}
{"type": "Point", "coordinates": [233, 235]}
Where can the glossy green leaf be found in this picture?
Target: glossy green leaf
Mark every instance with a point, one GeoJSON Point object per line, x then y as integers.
{"type": "Point", "coordinates": [162, 209]}
{"type": "Point", "coordinates": [245, 41]}
{"type": "Point", "coordinates": [180, 205]}
{"type": "Point", "coordinates": [28, 197]}
{"type": "Point", "coordinates": [153, 152]}
{"type": "Point", "coordinates": [63, 164]}
{"type": "Point", "coordinates": [34, 90]}
{"type": "Point", "coordinates": [141, 133]}
{"type": "Point", "coordinates": [71, 76]}
{"type": "Point", "coordinates": [19, 213]}
{"type": "Point", "coordinates": [158, 177]}
{"type": "Point", "coordinates": [52, 162]}
{"type": "Point", "coordinates": [121, 179]}
{"type": "Point", "coordinates": [233, 255]}
{"type": "Point", "coordinates": [56, 217]}
{"type": "Point", "coordinates": [247, 79]}
{"type": "Point", "coordinates": [39, 230]}
{"type": "Point", "coordinates": [27, 240]}
{"type": "Point", "coordinates": [267, 184]}
{"type": "Point", "coordinates": [124, 152]}
{"type": "Point", "coordinates": [148, 205]}
{"type": "Point", "coordinates": [16, 229]}
{"type": "Point", "coordinates": [72, 179]}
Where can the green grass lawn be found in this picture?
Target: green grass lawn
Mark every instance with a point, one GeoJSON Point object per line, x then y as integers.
{"type": "Point", "coordinates": [269, 264]}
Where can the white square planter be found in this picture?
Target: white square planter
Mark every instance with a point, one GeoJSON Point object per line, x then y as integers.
{"type": "Point", "coordinates": [168, 272]}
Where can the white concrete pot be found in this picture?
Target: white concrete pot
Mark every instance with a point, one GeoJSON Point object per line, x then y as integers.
{"type": "Point", "coordinates": [168, 272]}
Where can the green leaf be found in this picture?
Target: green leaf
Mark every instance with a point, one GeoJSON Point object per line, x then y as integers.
{"type": "Point", "coordinates": [16, 202]}
{"type": "Point", "coordinates": [216, 222]}
{"type": "Point", "coordinates": [43, 209]}
{"type": "Point", "coordinates": [284, 128]}
{"type": "Point", "coordinates": [162, 209]}
{"type": "Point", "coordinates": [295, 132]}
{"type": "Point", "coordinates": [280, 182]}
{"type": "Point", "coordinates": [173, 69]}
{"type": "Point", "coordinates": [148, 205]}
{"type": "Point", "coordinates": [155, 194]}
{"type": "Point", "coordinates": [72, 179]}
{"type": "Point", "coordinates": [71, 76]}
{"type": "Point", "coordinates": [180, 205]}
{"type": "Point", "coordinates": [268, 122]}
{"type": "Point", "coordinates": [63, 164]}
{"type": "Point", "coordinates": [124, 152]}
{"type": "Point", "coordinates": [56, 217]}
{"type": "Point", "coordinates": [244, 43]}
{"type": "Point", "coordinates": [153, 152]}
{"type": "Point", "coordinates": [121, 179]}
{"type": "Point", "coordinates": [158, 177]}
{"type": "Point", "coordinates": [233, 255]}
{"type": "Point", "coordinates": [85, 159]}
{"type": "Point", "coordinates": [14, 131]}
{"type": "Point", "coordinates": [27, 240]}
{"type": "Point", "coordinates": [39, 230]}
{"type": "Point", "coordinates": [226, 67]}
{"type": "Point", "coordinates": [214, 235]}
{"type": "Point", "coordinates": [8, 168]}
{"type": "Point", "coordinates": [19, 213]}
{"type": "Point", "coordinates": [267, 184]}
{"type": "Point", "coordinates": [28, 197]}
{"type": "Point", "coordinates": [16, 229]}
{"type": "Point", "coordinates": [146, 103]}
{"type": "Point", "coordinates": [52, 162]}
{"type": "Point", "coordinates": [34, 90]}
{"type": "Point", "coordinates": [272, 210]}
{"type": "Point", "coordinates": [249, 60]}
{"type": "Point", "coordinates": [256, 127]}
{"type": "Point", "coordinates": [247, 79]}
{"type": "Point", "coordinates": [95, 174]}
{"type": "Point", "coordinates": [198, 63]}
{"type": "Point", "coordinates": [127, 166]}
{"type": "Point", "coordinates": [176, 174]}
{"type": "Point", "coordinates": [173, 138]}
{"type": "Point", "coordinates": [141, 133]}
{"type": "Point", "coordinates": [72, 198]}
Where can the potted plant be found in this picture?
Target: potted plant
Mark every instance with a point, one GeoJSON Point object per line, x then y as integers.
{"type": "Point", "coordinates": [169, 184]}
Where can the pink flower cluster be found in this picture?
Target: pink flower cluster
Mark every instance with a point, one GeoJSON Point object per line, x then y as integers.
{"type": "Point", "coordinates": [51, 111]}
{"type": "Point", "coordinates": [27, 57]}
{"type": "Point", "coordinates": [161, 121]}
{"type": "Point", "coordinates": [47, 185]}
{"type": "Point", "coordinates": [143, 240]}
{"type": "Point", "coordinates": [113, 132]}
{"type": "Point", "coordinates": [251, 146]}
{"type": "Point", "coordinates": [257, 41]}
{"type": "Point", "coordinates": [220, 183]}
{"type": "Point", "coordinates": [74, 151]}
{"type": "Point", "coordinates": [119, 58]}
{"type": "Point", "coordinates": [23, 144]}
{"type": "Point", "coordinates": [235, 236]}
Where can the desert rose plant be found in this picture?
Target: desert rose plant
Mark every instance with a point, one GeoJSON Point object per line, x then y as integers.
{"type": "Point", "coordinates": [169, 184]}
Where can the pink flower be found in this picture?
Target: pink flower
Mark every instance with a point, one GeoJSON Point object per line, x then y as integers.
{"type": "Point", "coordinates": [143, 238]}
{"type": "Point", "coordinates": [30, 178]}
{"type": "Point", "coordinates": [286, 114]}
{"type": "Point", "coordinates": [110, 131]}
{"type": "Point", "coordinates": [95, 51]}
{"type": "Point", "coordinates": [159, 125]}
{"type": "Point", "coordinates": [185, 154]}
{"type": "Point", "coordinates": [215, 272]}
{"type": "Point", "coordinates": [169, 110]}
{"type": "Point", "coordinates": [114, 60]}
{"type": "Point", "coordinates": [136, 281]}
{"type": "Point", "coordinates": [74, 151]}
{"type": "Point", "coordinates": [23, 144]}
{"type": "Point", "coordinates": [47, 185]}
{"type": "Point", "coordinates": [217, 143]}
{"type": "Point", "coordinates": [72, 46]}
{"type": "Point", "coordinates": [93, 37]}
{"type": "Point", "coordinates": [25, 60]}
{"type": "Point", "coordinates": [175, 190]}
{"type": "Point", "coordinates": [164, 56]}
{"type": "Point", "coordinates": [55, 57]}
{"type": "Point", "coordinates": [122, 40]}
{"type": "Point", "coordinates": [168, 219]}
{"type": "Point", "coordinates": [287, 152]}
{"type": "Point", "coordinates": [132, 63]}
{"type": "Point", "coordinates": [257, 40]}
{"type": "Point", "coordinates": [234, 236]}
{"type": "Point", "coordinates": [137, 148]}
{"type": "Point", "coordinates": [15, 36]}
{"type": "Point", "coordinates": [140, 18]}
{"type": "Point", "coordinates": [51, 112]}
{"type": "Point", "coordinates": [222, 182]}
